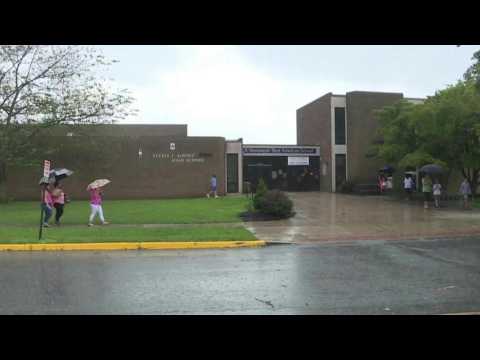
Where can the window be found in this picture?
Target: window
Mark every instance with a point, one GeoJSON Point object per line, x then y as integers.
{"type": "Point", "coordinates": [339, 126]}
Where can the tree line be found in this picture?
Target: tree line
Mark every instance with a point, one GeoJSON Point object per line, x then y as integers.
{"type": "Point", "coordinates": [443, 130]}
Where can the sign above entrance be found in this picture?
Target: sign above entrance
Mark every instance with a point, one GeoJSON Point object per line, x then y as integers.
{"type": "Point", "coordinates": [298, 160]}
{"type": "Point", "coordinates": [251, 150]}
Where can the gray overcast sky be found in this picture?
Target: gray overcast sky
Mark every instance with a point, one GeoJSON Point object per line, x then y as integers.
{"type": "Point", "coordinates": [254, 91]}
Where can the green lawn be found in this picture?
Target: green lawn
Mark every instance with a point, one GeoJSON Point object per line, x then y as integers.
{"type": "Point", "coordinates": [20, 235]}
{"type": "Point", "coordinates": [19, 221]}
{"type": "Point", "coordinates": [476, 203]}
{"type": "Point", "coordinates": [171, 211]}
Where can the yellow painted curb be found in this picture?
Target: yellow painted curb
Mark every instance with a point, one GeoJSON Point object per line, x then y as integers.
{"type": "Point", "coordinates": [132, 246]}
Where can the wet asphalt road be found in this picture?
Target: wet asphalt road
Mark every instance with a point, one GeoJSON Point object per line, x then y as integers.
{"type": "Point", "coordinates": [362, 277]}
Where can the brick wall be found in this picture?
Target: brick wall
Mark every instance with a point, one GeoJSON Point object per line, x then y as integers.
{"type": "Point", "coordinates": [361, 128]}
{"type": "Point", "coordinates": [158, 173]}
{"type": "Point", "coordinates": [314, 128]}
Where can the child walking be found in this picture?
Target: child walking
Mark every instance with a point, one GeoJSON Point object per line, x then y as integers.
{"type": "Point", "coordinates": [408, 186]}
{"type": "Point", "coordinates": [213, 186]}
{"type": "Point", "coordinates": [96, 206]}
{"type": "Point", "coordinates": [437, 192]}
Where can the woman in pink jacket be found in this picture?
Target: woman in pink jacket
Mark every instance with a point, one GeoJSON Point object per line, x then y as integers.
{"type": "Point", "coordinates": [59, 199]}
{"type": "Point", "coordinates": [96, 206]}
{"type": "Point", "coordinates": [46, 203]}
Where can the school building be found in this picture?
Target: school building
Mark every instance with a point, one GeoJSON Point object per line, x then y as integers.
{"type": "Point", "coordinates": [344, 126]}
{"type": "Point", "coordinates": [334, 134]}
{"type": "Point", "coordinates": [162, 161]}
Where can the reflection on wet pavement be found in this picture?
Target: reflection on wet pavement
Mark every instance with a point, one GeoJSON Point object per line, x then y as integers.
{"type": "Point", "coordinates": [324, 216]}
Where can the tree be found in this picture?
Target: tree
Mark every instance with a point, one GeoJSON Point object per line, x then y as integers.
{"type": "Point", "coordinates": [45, 86]}
{"type": "Point", "coordinates": [443, 130]}
{"type": "Point", "coordinates": [473, 75]}
{"type": "Point", "coordinates": [473, 72]}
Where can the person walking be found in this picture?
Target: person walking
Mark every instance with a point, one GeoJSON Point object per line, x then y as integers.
{"type": "Point", "coordinates": [466, 191]}
{"type": "Point", "coordinates": [213, 186]}
{"type": "Point", "coordinates": [96, 200]}
{"type": "Point", "coordinates": [408, 186]}
{"type": "Point", "coordinates": [427, 189]}
{"type": "Point", "coordinates": [437, 192]}
{"type": "Point", "coordinates": [46, 203]}
{"type": "Point", "coordinates": [382, 182]}
{"type": "Point", "coordinates": [59, 199]}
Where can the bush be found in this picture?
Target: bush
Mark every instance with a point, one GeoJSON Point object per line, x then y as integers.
{"type": "Point", "coordinates": [260, 192]}
{"type": "Point", "coordinates": [275, 203]}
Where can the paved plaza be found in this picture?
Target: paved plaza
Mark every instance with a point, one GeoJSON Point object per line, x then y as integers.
{"type": "Point", "coordinates": [323, 216]}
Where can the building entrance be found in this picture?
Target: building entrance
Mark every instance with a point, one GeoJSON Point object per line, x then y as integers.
{"type": "Point", "coordinates": [287, 168]}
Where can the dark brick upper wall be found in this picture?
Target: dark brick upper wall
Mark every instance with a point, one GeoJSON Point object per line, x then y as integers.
{"type": "Point", "coordinates": [361, 128]}
{"type": "Point", "coordinates": [314, 128]}
{"type": "Point", "coordinates": [130, 130]}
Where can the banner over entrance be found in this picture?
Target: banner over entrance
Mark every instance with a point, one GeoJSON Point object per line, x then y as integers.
{"type": "Point", "coordinates": [280, 150]}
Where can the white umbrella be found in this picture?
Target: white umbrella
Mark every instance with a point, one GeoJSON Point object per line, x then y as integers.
{"type": "Point", "coordinates": [60, 174]}
{"type": "Point", "coordinates": [98, 184]}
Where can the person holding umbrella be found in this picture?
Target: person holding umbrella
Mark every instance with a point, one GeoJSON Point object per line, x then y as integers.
{"type": "Point", "coordinates": [96, 200]}
{"type": "Point", "coordinates": [427, 189]}
{"type": "Point", "coordinates": [59, 200]}
{"type": "Point", "coordinates": [58, 195]}
{"type": "Point", "coordinates": [429, 170]}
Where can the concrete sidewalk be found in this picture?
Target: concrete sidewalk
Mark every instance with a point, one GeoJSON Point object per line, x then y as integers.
{"type": "Point", "coordinates": [333, 217]}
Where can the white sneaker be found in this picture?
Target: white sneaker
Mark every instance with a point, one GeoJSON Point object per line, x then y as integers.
{"type": "Point", "coordinates": [105, 223]}
{"type": "Point", "coordinates": [208, 196]}
{"type": "Point", "coordinates": [216, 197]}
{"type": "Point", "coordinates": [90, 224]}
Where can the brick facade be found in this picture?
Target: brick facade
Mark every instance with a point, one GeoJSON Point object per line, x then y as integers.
{"type": "Point", "coordinates": [314, 128]}
{"type": "Point", "coordinates": [361, 129]}
{"type": "Point", "coordinates": [159, 172]}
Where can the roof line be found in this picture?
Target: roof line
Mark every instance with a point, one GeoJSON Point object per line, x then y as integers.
{"type": "Point", "coordinates": [311, 102]}
{"type": "Point", "coordinates": [279, 145]}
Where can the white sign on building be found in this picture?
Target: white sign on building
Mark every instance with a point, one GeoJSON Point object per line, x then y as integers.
{"type": "Point", "coordinates": [298, 160]}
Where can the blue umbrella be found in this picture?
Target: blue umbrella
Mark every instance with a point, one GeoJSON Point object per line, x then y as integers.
{"type": "Point", "coordinates": [387, 168]}
{"type": "Point", "coordinates": [432, 169]}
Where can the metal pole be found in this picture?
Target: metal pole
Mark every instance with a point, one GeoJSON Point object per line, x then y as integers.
{"type": "Point", "coordinates": [41, 214]}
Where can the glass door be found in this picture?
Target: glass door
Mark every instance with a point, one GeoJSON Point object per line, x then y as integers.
{"type": "Point", "coordinates": [232, 173]}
